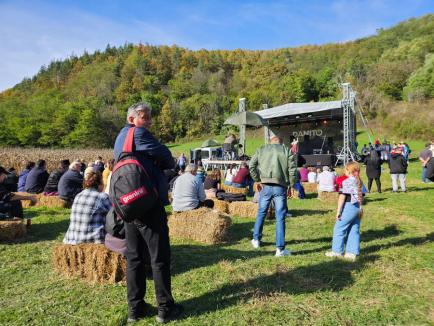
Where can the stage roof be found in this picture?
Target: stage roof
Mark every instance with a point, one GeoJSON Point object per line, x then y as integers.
{"type": "Point", "coordinates": [298, 108]}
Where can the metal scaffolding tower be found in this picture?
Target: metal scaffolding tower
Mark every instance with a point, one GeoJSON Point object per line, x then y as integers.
{"type": "Point", "coordinates": [242, 108]}
{"type": "Point", "coordinates": [348, 152]}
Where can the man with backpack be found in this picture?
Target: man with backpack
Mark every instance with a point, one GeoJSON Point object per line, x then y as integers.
{"type": "Point", "coordinates": [147, 235]}
{"type": "Point", "coordinates": [275, 167]}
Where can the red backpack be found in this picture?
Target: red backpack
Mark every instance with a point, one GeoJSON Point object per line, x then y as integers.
{"type": "Point", "coordinates": [131, 190]}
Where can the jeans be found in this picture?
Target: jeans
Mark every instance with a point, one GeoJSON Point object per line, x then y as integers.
{"type": "Point", "coordinates": [395, 178]}
{"type": "Point", "coordinates": [277, 194]}
{"type": "Point", "coordinates": [148, 240]}
{"type": "Point", "coordinates": [347, 229]}
{"type": "Point", "coordinates": [424, 174]}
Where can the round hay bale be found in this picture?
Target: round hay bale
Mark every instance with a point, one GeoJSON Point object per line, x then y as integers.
{"type": "Point", "coordinates": [220, 205]}
{"type": "Point", "coordinates": [310, 187]}
{"type": "Point", "coordinates": [243, 209]}
{"type": "Point", "coordinates": [234, 190]}
{"type": "Point", "coordinates": [89, 261]}
{"type": "Point", "coordinates": [12, 230]}
{"type": "Point", "coordinates": [329, 197]}
{"type": "Point", "coordinates": [203, 225]}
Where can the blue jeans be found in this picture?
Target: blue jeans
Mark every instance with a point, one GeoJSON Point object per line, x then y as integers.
{"type": "Point", "coordinates": [278, 195]}
{"type": "Point", "coordinates": [347, 229]}
{"type": "Point", "coordinates": [424, 174]}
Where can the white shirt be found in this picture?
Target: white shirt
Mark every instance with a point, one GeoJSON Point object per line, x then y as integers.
{"type": "Point", "coordinates": [229, 175]}
{"type": "Point", "coordinates": [326, 181]}
{"type": "Point", "coordinates": [311, 177]}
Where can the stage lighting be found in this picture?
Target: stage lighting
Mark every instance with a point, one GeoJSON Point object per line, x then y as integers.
{"type": "Point", "coordinates": [297, 117]}
{"type": "Point", "coordinates": [324, 122]}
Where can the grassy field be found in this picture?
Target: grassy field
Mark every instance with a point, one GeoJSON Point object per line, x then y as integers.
{"type": "Point", "coordinates": [232, 284]}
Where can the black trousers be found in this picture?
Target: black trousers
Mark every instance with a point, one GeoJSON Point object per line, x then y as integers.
{"type": "Point", "coordinates": [148, 240]}
{"type": "Point", "coordinates": [377, 181]}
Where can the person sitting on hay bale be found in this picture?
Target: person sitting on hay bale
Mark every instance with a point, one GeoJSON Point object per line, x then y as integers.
{"type": "Point", "coordinates": [106, 174]}
{"type": "Point", "coordinates": [311, 176]}
{"type": "Point", "coordinates": [188, 193]}
{"type": "Point", "coordinates": [51, 188]}
{"type": "Point", "coordinates": [275, 166]}
{"type": "Point", "coordinates": [71, 183]}
{"type": "Point", "coordinates": [10, 203]}
{"type": "Point", "coordinates": [326, 180]}
{"type": "Point", "coordinates": [303, 173]}
{"type": "Point", "coordinates": [23, 176]}
{"type": "Point", "coordinates": [88, 213]}
{"type": "Point", "coordinates": [212, 183]}
{"type": "Point", "coordinates": [37, 178]}
{"type": "Point", "coordinates": [230, 174]}
{"type": "Point", "coordinates": [243, 179]}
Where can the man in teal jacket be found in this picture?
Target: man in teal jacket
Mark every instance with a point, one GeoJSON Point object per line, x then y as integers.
{"type": "Point", "coordinates": [275, 167]}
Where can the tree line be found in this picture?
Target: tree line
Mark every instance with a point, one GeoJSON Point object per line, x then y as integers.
{"type": "Point", "coordinates": [81, 101]}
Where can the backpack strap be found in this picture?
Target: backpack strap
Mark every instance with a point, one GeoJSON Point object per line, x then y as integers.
{"type": "Point", "coordinates": [129, 140]}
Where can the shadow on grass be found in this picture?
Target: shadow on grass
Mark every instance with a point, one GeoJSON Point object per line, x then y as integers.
{"type": "Point", "coordinates": [403, 242]}
{"type": "Point", "coordinates": [304, 212]}
{"type": "Point", "coordinates": [333, 275]}
{"type": "Point", "coordinates": [373, 199]}
{"type": "Point", "coordinates": [413, 188]}
{"type": "Point", "coordinates": [46, 231]}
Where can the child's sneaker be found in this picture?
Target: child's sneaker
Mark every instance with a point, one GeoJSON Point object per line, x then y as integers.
{"type": "Point", "coordinates": [256, 244]}
{"type": "Point", "coordinates": [282, 253]}
{"type": "Point", "coordinates": [333, 254]}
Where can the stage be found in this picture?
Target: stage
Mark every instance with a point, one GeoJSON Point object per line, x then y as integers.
{"type": "Point", "coordinates": [317, 159]}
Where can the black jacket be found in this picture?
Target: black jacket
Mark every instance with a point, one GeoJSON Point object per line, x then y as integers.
{"type": "Point", "coordinates": [53, 181]}
{"type": "Point", "coordinates": [36, 180]}
{"type": "Point", "coordinates": [70, 184]}
{"type": "Point", "coordinates": [373, 166]}
{"type": "Point", "coordinates": [397, 164]}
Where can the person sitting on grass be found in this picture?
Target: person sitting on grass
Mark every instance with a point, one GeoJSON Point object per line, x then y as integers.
{"type": "Point", "coordinates": [71, 182]}
{"type": "Point", "coordinates": [10, 203]}
{"type": "Point", "coordinates": [212, 183]}
{"type": "Point", "coordinates": [37, 178]}
{"type": "Point", "coordinates": [326, 180]}
{"type": "Point", "coordinates": [188, 193]}
{"type": "Point", "coordinates": [54, 178]}
{"type": "Point", "coordinates": [88, 213]}
{"type": "Point", "coordinates": [23, 175]}
{"type": "Point", "coordinates": [346, 232]}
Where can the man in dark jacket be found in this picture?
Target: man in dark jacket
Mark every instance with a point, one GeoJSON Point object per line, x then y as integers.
{"type": "Point", "coordinates": [398, 169]}
{"type": "Point", "coordinates": [71, 182]}
{"type": "Point", "coordinates": [37, 178]}
{"type": "Point", "coordinates": [23, 176]}
{"type": "Point", "coordinates": [373, 169]}
{"type": "Point", "coordinates": [149, 236]}
{"type": "Point", "coordinates": [54, 178]}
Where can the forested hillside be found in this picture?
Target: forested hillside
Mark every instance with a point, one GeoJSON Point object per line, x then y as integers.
{"type": "Point", "coordinates": [81, 101]}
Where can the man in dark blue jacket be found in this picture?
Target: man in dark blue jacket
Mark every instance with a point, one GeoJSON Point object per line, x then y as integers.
{"type": "Point", "coordinates": [71, 182]}
{"type": "Point", "coordinates": [149, 236]}
{"type": "Point", "coordinates": [37, 178]}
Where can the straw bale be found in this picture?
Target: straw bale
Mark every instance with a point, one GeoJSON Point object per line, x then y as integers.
{"type": "Point", "coordinates": [12, 229]}
{"type": "Point", "coordinates": [234, 190]}
{"type": "Point", "coordinates": [243, 209]}
{"type": "Point", "coordinates": [330, 197]}
{"type": "Point", "coordinates": [92, 262]}
{"type": "Point", "coordinates": [203, 225]}
{"type": "Point", "coordinates": [44, 201]}
{"type": "Point", "coordinates": [220, 205]}
{"type": "Point", "coordinates": [310, 187]}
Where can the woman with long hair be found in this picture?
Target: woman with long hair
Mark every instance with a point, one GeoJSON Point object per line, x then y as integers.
{"type": "Point", "coordinates": [346, 233]}
{"type": "Point", "coordinates": [373, 169]}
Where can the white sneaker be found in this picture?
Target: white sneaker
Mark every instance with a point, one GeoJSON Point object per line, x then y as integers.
{"type": "Point", "coordinates": [282, 253]}
{"type": "Point", "coordinates": [256, 244]}
{"type": "Point", "coordinates": [332, 254]}
{"type": "Point", "coordinates": [350, 256]}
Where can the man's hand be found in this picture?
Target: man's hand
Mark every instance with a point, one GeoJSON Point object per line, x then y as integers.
{"type": "Point", "coordinates": [258, 187]}
{"type": "Point", "coordinates": [33, 200]}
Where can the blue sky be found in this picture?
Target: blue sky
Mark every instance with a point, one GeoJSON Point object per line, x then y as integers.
{"type": "Point", "coordinates": [32, 33]}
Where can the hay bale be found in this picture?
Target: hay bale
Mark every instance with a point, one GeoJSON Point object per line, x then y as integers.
{"type": "Point", "coordinates": [329, 197]}
{"type": "Point", "coordinates": [234, 190]}
{"type": "Point", "coordinates": [12, 230]}
{"type": "Point", "coordinates": [220, 205]}
{"type": "Point", "coordinates": [243, 209]}
{"type": "Point", "coordinates": [44, 201]}
{"type": "Point", "coordinates": [202, 225]}
{"type": "Point", "coordinates": [89, 261]}
{"type": "Point", "coordinates": [310, 187]}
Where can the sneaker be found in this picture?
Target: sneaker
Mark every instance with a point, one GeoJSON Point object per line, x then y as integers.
{"type": "Point", "coordinates": [145, 310]}
{"type": "Point", "coordinates": [172, 313]}
{"type": "Point", "coordinates": [282, 253]}
{"type": "Point", "coordinates": [350, 256]}
{"type": "Point", "coordinates": [256, 244]}
{"type": "Point", "coordinates": [332, 254]}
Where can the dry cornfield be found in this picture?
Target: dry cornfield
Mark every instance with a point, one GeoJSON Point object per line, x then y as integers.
{"type": "Point", "coordinates": [17, 157]}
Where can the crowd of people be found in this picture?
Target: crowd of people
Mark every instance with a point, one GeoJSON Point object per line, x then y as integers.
{"type": "Point", "coordinates": [273, 169]}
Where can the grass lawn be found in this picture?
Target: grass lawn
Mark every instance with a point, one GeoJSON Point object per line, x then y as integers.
{"type": "Point", "coordinates": [392, 283]}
